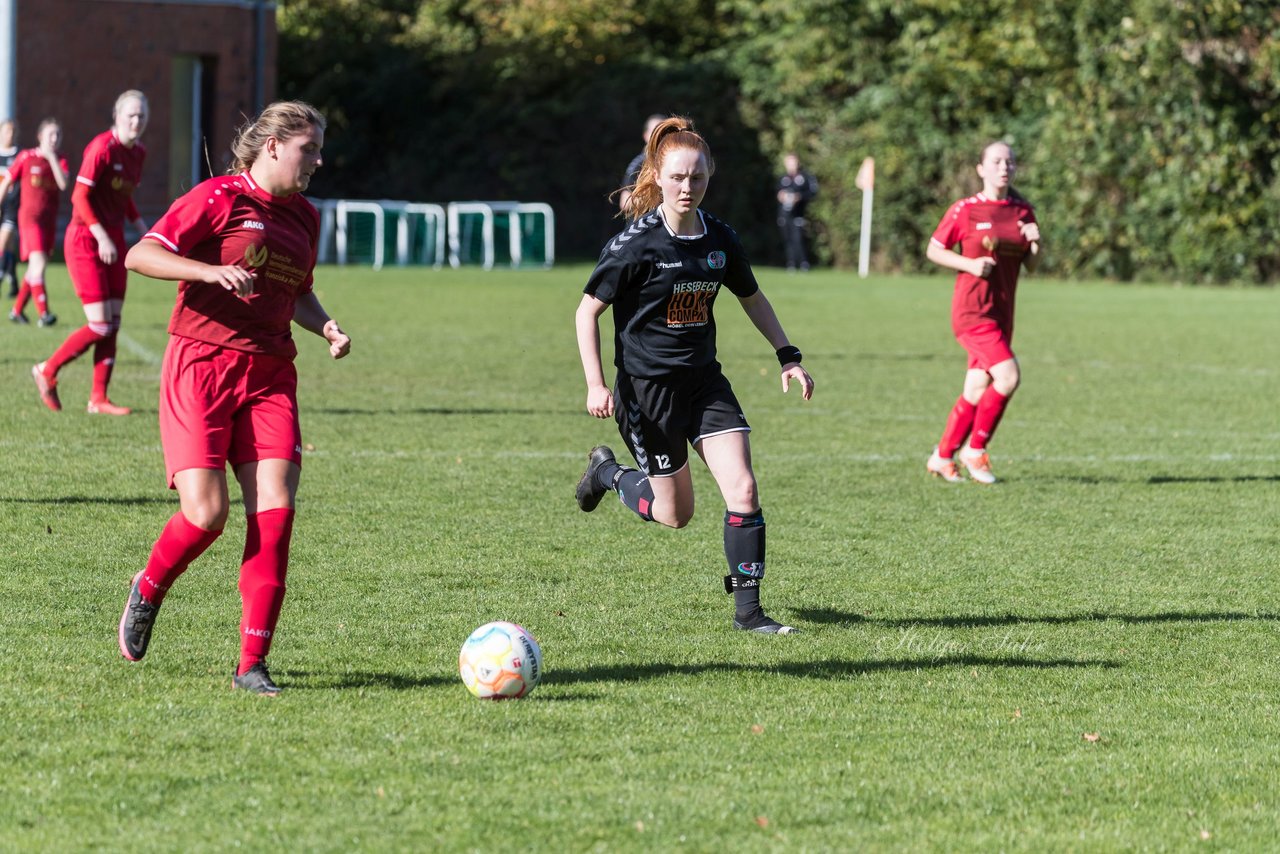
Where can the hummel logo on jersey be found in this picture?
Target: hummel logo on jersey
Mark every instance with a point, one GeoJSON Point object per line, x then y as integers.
{"type": "Point", "coordinates": [670, 265]}
{"type": "Point", "coordinates": [254, 224]}
{"type": "Point", "coordinates": [983, 226]}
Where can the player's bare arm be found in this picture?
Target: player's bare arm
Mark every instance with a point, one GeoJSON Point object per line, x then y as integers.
{"type": "Point", "coordinates": [153, 259]}
{"type": "Point", "coordinates": [587, 323]}
{"type": "Point", "coordinates": [1031, 233]}
{"type": "Point", "coordinates": [311, 316]}
{"type": "Point", "coordinates": [952, 260]}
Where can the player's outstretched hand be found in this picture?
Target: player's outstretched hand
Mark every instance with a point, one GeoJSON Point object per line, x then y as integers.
{"type": "Point", "coordinates": [600, 402]}
{"type": "Point", "coordinates": [339, 341]}
{"type": "Point", "coordinates": [236, 279]}
{"type": "Point", "coordinates": [800, 375]}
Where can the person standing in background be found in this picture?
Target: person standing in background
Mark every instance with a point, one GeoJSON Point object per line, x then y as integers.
{"type": "Point", "coordinates": [796, 188]}
{"type": "Point", "coordinates": [632, 175]}
{"type": "Point", "coordinates": [9, 208]}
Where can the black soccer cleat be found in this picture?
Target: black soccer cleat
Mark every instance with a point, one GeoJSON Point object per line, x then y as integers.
{"type": "Point", "coordinates": [47, 319]}
{"type": "Point", "coordinates": [256, 680]}
{"type": "Point", "coordinates": [18, 318]}
{"type": "Point", "coordinates": [589, 491]}
{"type": "Point", "coordinates": [763, 624]}
{"type": "Point", "coordinates": [135, 625]}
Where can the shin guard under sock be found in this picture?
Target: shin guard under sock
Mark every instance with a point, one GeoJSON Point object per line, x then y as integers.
{"type": "Point", "coordinates": [180, 543]}
{"type": "Point", "coordinates": [635, 492]}
{"type": "Point", "coordinates": [991, 407]}
{"type": "Point", "coordinates": [262, 576]}
{"type": "Point", "coordinates": [24, 293]}
{"type": "Point", "coordinates": [959, 425]}
{"type": "Point", "coordinates": [744, 550]}
{"type": "Point", "coordinates": [38, 296]}
{"type": "Point", "coordinates": [104, 360]}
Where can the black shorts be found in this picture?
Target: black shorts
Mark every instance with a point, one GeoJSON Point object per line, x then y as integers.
{"type": "Point", "coordinates": [660, 417]}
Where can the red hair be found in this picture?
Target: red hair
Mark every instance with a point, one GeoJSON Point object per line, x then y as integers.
{"type": "Point", "coordinates": [672, 134]}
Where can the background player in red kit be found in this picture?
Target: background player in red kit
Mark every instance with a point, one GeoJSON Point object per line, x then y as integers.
{"type": "Point", "coordinates": [243, 248]}
{"type": "Point", "coordinates": [42, 174]}
{"type": "Point", "coordinates": [101, 203]}
{"type": "Point", "coordinates": [997, 234]}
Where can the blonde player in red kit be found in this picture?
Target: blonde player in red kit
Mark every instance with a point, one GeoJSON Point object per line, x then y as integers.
{"type": "Point", "coordinates": [243, 249]}
{"type": "Point", "coordinates": [100, 205]}
{"type": "Point", "coordinates": [42, 174]}
{"type": "Point", "coordinates": [997, 234]}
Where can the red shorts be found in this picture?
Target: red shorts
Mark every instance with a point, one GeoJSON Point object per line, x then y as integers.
{"type": "Point", "coordinates": [987, 344]}
{"type": "Point", "coordinates": [36, 235]}
{"type": "Point", "coordinates": [93, 280]}
{"type": "Point", "coordinates": [219, 406]}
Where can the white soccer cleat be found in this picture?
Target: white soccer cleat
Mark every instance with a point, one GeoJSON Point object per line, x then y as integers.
{"type": "Point", "coordinates": [943, 467]}
{"type": "Point", "coordinates": [978, 464]}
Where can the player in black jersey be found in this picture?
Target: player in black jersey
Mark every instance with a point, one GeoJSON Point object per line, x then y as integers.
{"type": "Point", "coordinates": [662, 275]}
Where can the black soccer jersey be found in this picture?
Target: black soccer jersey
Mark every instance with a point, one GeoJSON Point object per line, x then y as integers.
{"type": "Point", "coordinates": [662, 289]}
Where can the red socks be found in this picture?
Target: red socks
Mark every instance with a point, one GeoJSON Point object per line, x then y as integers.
{"type": "Point", "coordinates": [266, 558]}
{"type": "Point", "coordinates": [959, 425]}
{"type": "Point", "coordinates": [37, 294]}
{"type": "Point", "coordinates": [75, 344]}
{"type": "Point", "coordinates": [104, 360]}
{"type": "Point", "coordinates": [179, 544]}
{"type": "Point", "coordinates": [991, 408]}
{"type": "Point", "coordinates": [24, 294]}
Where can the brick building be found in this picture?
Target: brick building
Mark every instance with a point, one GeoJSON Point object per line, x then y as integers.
{"type": "Point", "coordinates": [203, 64]}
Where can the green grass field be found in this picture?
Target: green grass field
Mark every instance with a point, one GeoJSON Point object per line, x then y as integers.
{"type": "Point", "coordinates": [1081, 657]}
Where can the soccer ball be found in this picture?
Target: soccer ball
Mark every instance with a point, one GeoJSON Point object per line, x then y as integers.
{"type": "Point", "coordinates": [500, 661]}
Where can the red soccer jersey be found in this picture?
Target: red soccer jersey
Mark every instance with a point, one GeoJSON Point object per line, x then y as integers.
{"type": "Point", "coordinates": [111, 172]}
{"type": "Point", "coordinates": [40, 193]}
{"type": "Point", "coordinates": [984, 226]}
{"type": "Point", "coordinates": [231, 220]}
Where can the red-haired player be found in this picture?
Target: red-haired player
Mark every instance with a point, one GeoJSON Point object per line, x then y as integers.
{"type": "Point", "coordinates": [998, 235]}
{"type": "Point", "coordinates": [101, 203]}
{"type": "Point", "coordinates": [243, 248]}
{"type": "Point", "coordinates": [42, 174]}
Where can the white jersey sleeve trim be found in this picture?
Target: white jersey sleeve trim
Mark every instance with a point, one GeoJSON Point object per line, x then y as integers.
{"type": "Point", "coordinates": [83, 180]}
{"type": "Point", "coordinates": [173, 247]}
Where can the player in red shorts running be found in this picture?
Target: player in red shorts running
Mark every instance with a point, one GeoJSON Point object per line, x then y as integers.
{"type": "Point", "coordinates": [101, 203]}
{"type": "Point", "coordinates": [42, 174]}
{"type": "Point", "coordinates": [998, 235]}
{"type": "Point", "coordinates": [243, 249]}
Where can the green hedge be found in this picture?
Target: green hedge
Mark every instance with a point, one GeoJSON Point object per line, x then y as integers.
{"type": "Point", "coordinates": [1146, 132]}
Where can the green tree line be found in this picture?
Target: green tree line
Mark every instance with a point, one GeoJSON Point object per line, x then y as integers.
{"type": "Point", "coordinates": [1147, 131]}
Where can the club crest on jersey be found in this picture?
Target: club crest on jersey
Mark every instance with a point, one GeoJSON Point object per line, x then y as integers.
{"type": "Point", "coordinates": [255, 256]}
{"type": "Point", "coordinates": [117, 182]}
{"type": "Point", "coordinates": [36, 180]}
{"type": "Point", "coordinates": [716, 260]}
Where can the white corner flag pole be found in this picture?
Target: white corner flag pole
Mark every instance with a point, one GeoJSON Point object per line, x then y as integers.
{"type": "Point", "coordinates": [865, 181]}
